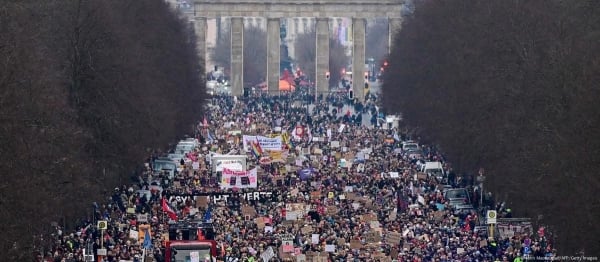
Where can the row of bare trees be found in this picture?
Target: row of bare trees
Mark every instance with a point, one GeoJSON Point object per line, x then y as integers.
{"type": "Point", "coordinates": [255, 53]}
{"type": "Point", "coordinates": [511, 86]}
{"type": "Point", "coordinates": [306, 53]}
{"type": "Point", "coordinates": [87, 90]}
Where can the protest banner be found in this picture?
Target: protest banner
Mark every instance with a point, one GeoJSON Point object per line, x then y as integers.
{"type": "Point", "coordinates": [239, 179]}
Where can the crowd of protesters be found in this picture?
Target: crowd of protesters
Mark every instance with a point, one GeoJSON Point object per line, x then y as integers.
{"type": "Point", "coordinates": [363, 202]}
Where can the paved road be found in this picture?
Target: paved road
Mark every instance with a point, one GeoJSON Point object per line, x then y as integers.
{"type": "Point", "coordinates": [375, 88]}
{"type": "Point", "coordinates": [366, 117]}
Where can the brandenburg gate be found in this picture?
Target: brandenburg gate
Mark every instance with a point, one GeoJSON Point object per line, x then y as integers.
{"type": "Point", "coordinates": [274, 11]}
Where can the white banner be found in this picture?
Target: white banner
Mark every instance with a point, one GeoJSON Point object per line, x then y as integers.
{"type": "Point", "coordinates": [246, 142]}
{"type": "Point", "coordinates": [266, 143]}
{"type": "Point", "coordinates": [239, 179]}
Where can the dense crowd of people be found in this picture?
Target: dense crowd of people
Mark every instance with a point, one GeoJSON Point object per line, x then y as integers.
{"type": "Point", "coordinates": [362, 201]}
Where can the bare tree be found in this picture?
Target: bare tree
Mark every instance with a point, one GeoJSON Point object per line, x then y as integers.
{"type": "Point", "coordinates": [85, 89]}
{"type": "Point", "coordinates": [338, 60]}
{"type": "Point", "coordinates": [377, 40]}
{"type": "Point", "coordinates": [255, 55]}
{"type": "Point", "coordinates": [221, 53]}
{"type": "Point", "coordinates": [305, 56]}
{"type": "Point", "coordinates": [509, 85]}
{"type": "Point", "coordinates": [305, 52]}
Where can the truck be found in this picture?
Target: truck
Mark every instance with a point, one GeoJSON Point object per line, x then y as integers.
{"type": "Point", "coordinates": [191, 241]}
{"type": "Point", "coordinates": [164, 164]}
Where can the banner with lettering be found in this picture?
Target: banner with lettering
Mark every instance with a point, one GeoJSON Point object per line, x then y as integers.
{"type": "Point", "coordinates": [279, 156]}
{"type": "Point", "coordinates": [226, 198]}
{"type": "Point", "coordinates": [246, 140]}
{"type": "Point", "coordinates": [239, 179]}
{"type": "Point", "coordinates": [266, 143]}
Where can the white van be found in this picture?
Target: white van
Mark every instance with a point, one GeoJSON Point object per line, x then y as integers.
{"type": "Point", "coordinates": [185, 147]}
{"type": "Point", "coordinates": [434, 169]}
{"type": "Point", "coordinates": [410, 145]}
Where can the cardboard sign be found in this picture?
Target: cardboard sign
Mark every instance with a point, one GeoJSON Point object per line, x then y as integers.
{"type": "Point", "coordinates": [369, 217]}
{"type": "Point", "coordinates": [352, 196]}
{"type": "Point", "coordinates": [483, 243]}
{"type": "Point", "coordinates": [355, 244]}
{"type": "Point", "coordinates": [438, 215]}
{"type": "Point", "coordinates": [260, 223]}
{"type": "Point", "coordinates": [307, 230]}
{"type": "Point", "coordinates": [287, 244]}
{"type": "Point", "coordinates": [268, 254]}
{"type": "Point", "coordinates": [374, 224]}
{"type": "Point", "coordinates": [393, 238]}
{"type": "Point", "coordinates": [332, 210]}
{"type": "Point", "coordinates": [315, 239]}
{"type": "Point", "coordinates": [373, 237]}
{"type": "Point", "coordinates": [314, 195]}
{"type": "Point", "coordinates": [133, 234]}
{"type": "Point", "coordinates": [142, 218]}
{"type": "Point", "coordinates": [248, 211]}
{"type": "Point", "coordinates": [202, 201]}
{"type": "Point", "coordinates": [368, 203]}
{"type": "Point", "coordinates": [330, 248]}
{"type": "Point", "coordinates": [393, 215]}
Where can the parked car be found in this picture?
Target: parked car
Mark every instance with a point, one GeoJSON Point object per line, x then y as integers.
{"type": "Point", "coordinates": [462, 209]}
{"type": "Point", "coordinates": [410, 145]}
{"type": "Point", "coordinates": [415, 154]}
{"type": "Point", "coordinates": [163, 164]}
{"type": "Point", "coordinates": [176, 157]}
{"type": "Point", "coordinates": [185, 147]}
{"type": "Point", "coordinates": [435, 169]}
{"type": "Point", "coordinates": [458, 196]}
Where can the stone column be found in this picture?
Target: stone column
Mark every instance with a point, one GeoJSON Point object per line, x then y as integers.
{"type": "Point", "coordinates": [273, 54]}
{"type": "Point", "coordinates": [200, 30]}
{"type": "Point", "coordinates": [394, 26]}
{"type": "Point", "coordinates": [322, 56]}
{"type": "Point", "coordinates": [358, 57]}
{"type": "Point", "coordinates": [237, 56]}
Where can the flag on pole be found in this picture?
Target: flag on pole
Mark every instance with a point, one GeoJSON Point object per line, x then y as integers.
{"type": "Point", "coordinates": [209, 136]}
{"type": "Point", "coordinates": [200, 234]}
{"type": "Point", "coordinates": [147, 240]}
{"type": "Point", "coordinates": [256, 149]}
{"type": "Point", "coordinates": [208, 215]}
{"type": "Point", "coordinates": [286, 140]}
{"type": "Point", "coordinates": [170, 212]}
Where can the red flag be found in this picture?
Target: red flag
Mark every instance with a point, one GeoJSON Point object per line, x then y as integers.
{"type": "Point", "coordinates": [170, 212]}
{"type": "Point", "coordinates": [205, 121]}
{"type": "Point", "coordinates": [200, 234]}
